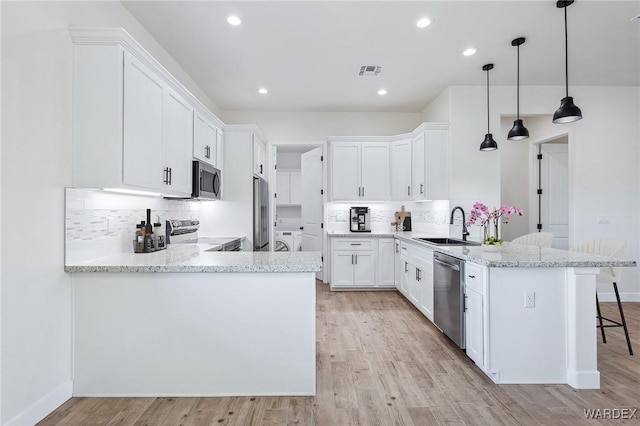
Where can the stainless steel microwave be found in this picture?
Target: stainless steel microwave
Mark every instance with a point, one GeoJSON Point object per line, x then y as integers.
{"type": "Point", "coordinates": [207, 182]}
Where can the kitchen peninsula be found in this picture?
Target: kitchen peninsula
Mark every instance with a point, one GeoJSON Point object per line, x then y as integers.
{"type": "Point", "coordinates": [186, 321]}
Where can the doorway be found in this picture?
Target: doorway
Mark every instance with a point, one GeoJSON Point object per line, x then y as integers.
{"type": "Point", "coordinates": [298, 208]}
{"type": "Point", "coordinates": [550, 189]}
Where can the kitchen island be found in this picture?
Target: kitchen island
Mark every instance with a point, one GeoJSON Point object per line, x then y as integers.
{"type": "Point", "coordinates": [190, 322]}
{"type": "Point", "coordinates": [530, 314]}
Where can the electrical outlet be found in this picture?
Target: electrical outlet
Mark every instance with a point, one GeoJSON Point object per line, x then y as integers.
{"type": "Point", "coordinates": [604, 220]}
{"type": "Point", "coordinates": [529, 299]}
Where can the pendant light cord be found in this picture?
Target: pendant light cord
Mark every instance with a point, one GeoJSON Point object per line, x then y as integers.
{"type": "Point", "coordinates": [566, 53]}
{"type": "Point", "coordinates": [488, 102]}
{"type": "Point", "coordinates": [518, 87]}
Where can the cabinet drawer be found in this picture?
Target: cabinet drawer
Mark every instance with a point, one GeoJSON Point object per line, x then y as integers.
{"type": "Point", "coordinates": [354, 244]}
{"type": "Point", "coordinates": [420, 255]}
{"type": "Point", "coordinates": [474, 277]}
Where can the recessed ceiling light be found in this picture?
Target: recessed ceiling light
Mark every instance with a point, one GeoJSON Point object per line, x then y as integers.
{"type": "Point", "coordinates": [234, 20]}
{"type": "Point", "coordinates": [382, 92]}
{"type": "Point", "coordinates": [424, 22]}
{"type": "Point", "coordinates": [470, 51]}
{"type": "Point", "coordinates": [263, 91]}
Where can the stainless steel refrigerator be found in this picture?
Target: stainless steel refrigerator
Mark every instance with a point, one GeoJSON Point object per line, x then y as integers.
{"type": "Point", "coordinates": [260, 215]}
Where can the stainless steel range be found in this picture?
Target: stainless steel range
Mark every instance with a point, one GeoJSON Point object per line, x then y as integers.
{"type": "Point", "coordinates": [185, 231]}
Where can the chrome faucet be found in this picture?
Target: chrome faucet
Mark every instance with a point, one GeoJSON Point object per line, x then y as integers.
{"type": "Point", "coordinates": [464, 222]}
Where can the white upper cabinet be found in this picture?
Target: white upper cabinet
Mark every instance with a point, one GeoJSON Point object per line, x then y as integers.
{"type": "Point", "coordinates": [259, 158]}
{"type": "Point", "coordinates": [178, 138]}
{"type": "Point", "coordinates": [401, 170]}
{"type": "Point", "coordinates": [134, 122]}
{"type": "Point", "coordinates": [360, 171]}
{"type": "Point", "coordinates": [288, 188]}
{"type": "Point", "coordinates": [205, 139]}
{"type": "Point", "coordinates": [430, 163]}
{"type": "Point", "coordinates": [143, 126]}
{"type": "Point", "coordinates": [157, 132]}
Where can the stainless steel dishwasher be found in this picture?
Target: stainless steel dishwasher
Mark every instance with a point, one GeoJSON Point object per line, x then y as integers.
{"type": "Point", "coordinates": [448, 297]}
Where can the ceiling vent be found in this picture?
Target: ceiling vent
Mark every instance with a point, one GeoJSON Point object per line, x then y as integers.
{"type": "Point", "coordinates": [370, 70]}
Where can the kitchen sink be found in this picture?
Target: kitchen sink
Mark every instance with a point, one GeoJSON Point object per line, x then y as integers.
{"type": "Point", "coordinates": [447, 242]}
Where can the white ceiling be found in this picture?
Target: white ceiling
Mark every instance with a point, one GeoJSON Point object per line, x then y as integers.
{"type": "Point", "coordinates": [308, 53]}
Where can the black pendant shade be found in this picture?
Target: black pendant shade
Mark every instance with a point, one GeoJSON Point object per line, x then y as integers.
{"type": "Point", "coordinates": [518, 132]}
{"type": "Point", "coordinates": [488, 144]}
{"type": "Point", "coordinates": [568, 111]}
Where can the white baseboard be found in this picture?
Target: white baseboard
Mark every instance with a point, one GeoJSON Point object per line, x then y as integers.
{"type": "Point", "coordinates": [43, 407]}
{"type": "Point", "coordinates": [624, 297]}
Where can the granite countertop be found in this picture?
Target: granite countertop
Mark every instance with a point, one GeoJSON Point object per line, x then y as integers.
{"type": "Point", "coordinates": [196, 258]}
{"type": "Point", "coordinates": [522, 256]}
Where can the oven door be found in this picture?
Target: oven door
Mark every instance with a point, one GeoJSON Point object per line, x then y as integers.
{"type": "Point", "coordinates": [207, 181]}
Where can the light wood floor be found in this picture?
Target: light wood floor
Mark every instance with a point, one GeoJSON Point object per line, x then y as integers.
{"type": "Point", "coordinates": [380, 362]}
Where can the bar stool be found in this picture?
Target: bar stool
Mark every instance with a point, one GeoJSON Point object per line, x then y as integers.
{"type": "Point", "coordinates": [610, 248]}
{"type": "Point", "coordinates": [540, 239]}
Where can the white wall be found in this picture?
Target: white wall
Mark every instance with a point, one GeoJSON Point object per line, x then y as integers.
{"type": "Point", "coordinates": [317, 126]}
{"type": "Point", "coordinates": [37, 82]}
{"type": "Point", "coordinates": [603, 156]}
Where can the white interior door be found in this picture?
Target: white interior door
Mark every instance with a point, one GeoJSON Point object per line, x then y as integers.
{"type": "Point", "coordinates": [554, 201]}
{"type": "Point", "coordinates": [312, 201]}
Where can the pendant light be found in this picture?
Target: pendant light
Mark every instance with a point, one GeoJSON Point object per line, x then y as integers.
{"type": "Point", "coordinates": [518, 132]}
{"type": "Point", "coordinates": [488, 144]}
{"type": "Point", "coordinates": [568, 111]}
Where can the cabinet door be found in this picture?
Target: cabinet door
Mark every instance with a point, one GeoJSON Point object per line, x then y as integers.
{"type": "Point", "coordinates": [375, 171]}
{"type": "Point", "coordinates": [342, 266]}
{"type": "Point", "coordinates": [282, 188]}
{"type": "Point", "coordinates": [205, 136]}
{"type": "Point", "coordinates": [364, 270]}
{"type": "Point", "coordinates": [178, 143]}
{"type": "Point", "coordinates": [474, 335]}
{"type": "Point", "coordinates": [426, 289]}
{"type": "Point", "coordinates": [345, 171]}
{"type": "Point", "coordinates": [386, 263]}
{"type": "Point", "coordinates": [295, 196]}
{"type": "Point", "coordinates": [142, 126]}
{"type": "Point", "coordinates": [406, 278]}
{"type": "Point", "coordinates": [437, 164]}
{"type": "Point", "coordinates": [219, 149]}
{"type": "Point", "coordinates": [399, 265]}
{"type": "Point", "coordinates": [414, 285]}
{"type": "Point", "coordinates": [401, 170]}
{"type": "Point", "coordinates": [418, 167]}
{"type": "Point", "coordinates": [259, 164]}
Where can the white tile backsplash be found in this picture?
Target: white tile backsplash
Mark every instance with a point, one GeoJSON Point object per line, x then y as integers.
{"type": "Point", "coordinates": [99, 223]}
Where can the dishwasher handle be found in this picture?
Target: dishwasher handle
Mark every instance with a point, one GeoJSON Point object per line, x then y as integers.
{"type": "Point", "coordinates": [447, 265]}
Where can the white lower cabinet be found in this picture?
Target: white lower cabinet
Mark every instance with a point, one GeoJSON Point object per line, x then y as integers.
{"type": "Point", "coordinates": [475, 288]}
{"type": "Point", "coordinates": [386, 263]}
{"type": "Point", "coordinates": [362, 263]}
{"type": "Point", "coordinates": [353, 261]}
{"type": "Point", "coordinates": [419, 278]}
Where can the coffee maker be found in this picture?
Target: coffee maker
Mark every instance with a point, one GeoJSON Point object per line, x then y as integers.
{"type": "Point", "coordinates": [360, 220]}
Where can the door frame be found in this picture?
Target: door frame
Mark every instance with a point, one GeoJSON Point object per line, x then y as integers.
{"type": "Point", "coordinates": [271, 157]}
{"type": "Point", "coordinates": [533, 180]}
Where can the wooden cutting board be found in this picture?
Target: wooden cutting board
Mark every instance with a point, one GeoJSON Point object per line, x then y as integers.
{"type": "Point", "coordinates": [400, 216]}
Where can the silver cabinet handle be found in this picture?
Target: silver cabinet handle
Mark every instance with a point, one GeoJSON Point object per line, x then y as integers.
{"type": "Point", "coordinates": [406, 267]}
{"type": "Point", "coordinates": [356, 244]}
{"type": "Point", "coordinates": [408, 190]}
{"type": "Point", "coordinates": [363, 191]}
{"type": "Point", "coordinates": [421, 189]}
{"type": "Point", "coordinates": [352, 259]}
{"type": "Point", "coordinates": [471, 276]}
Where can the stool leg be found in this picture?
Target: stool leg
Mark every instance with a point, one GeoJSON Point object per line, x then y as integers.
{"type": "Point", "coordinates": [624, 322]}
{"type": "Point", "coordinates": [604, 339]}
